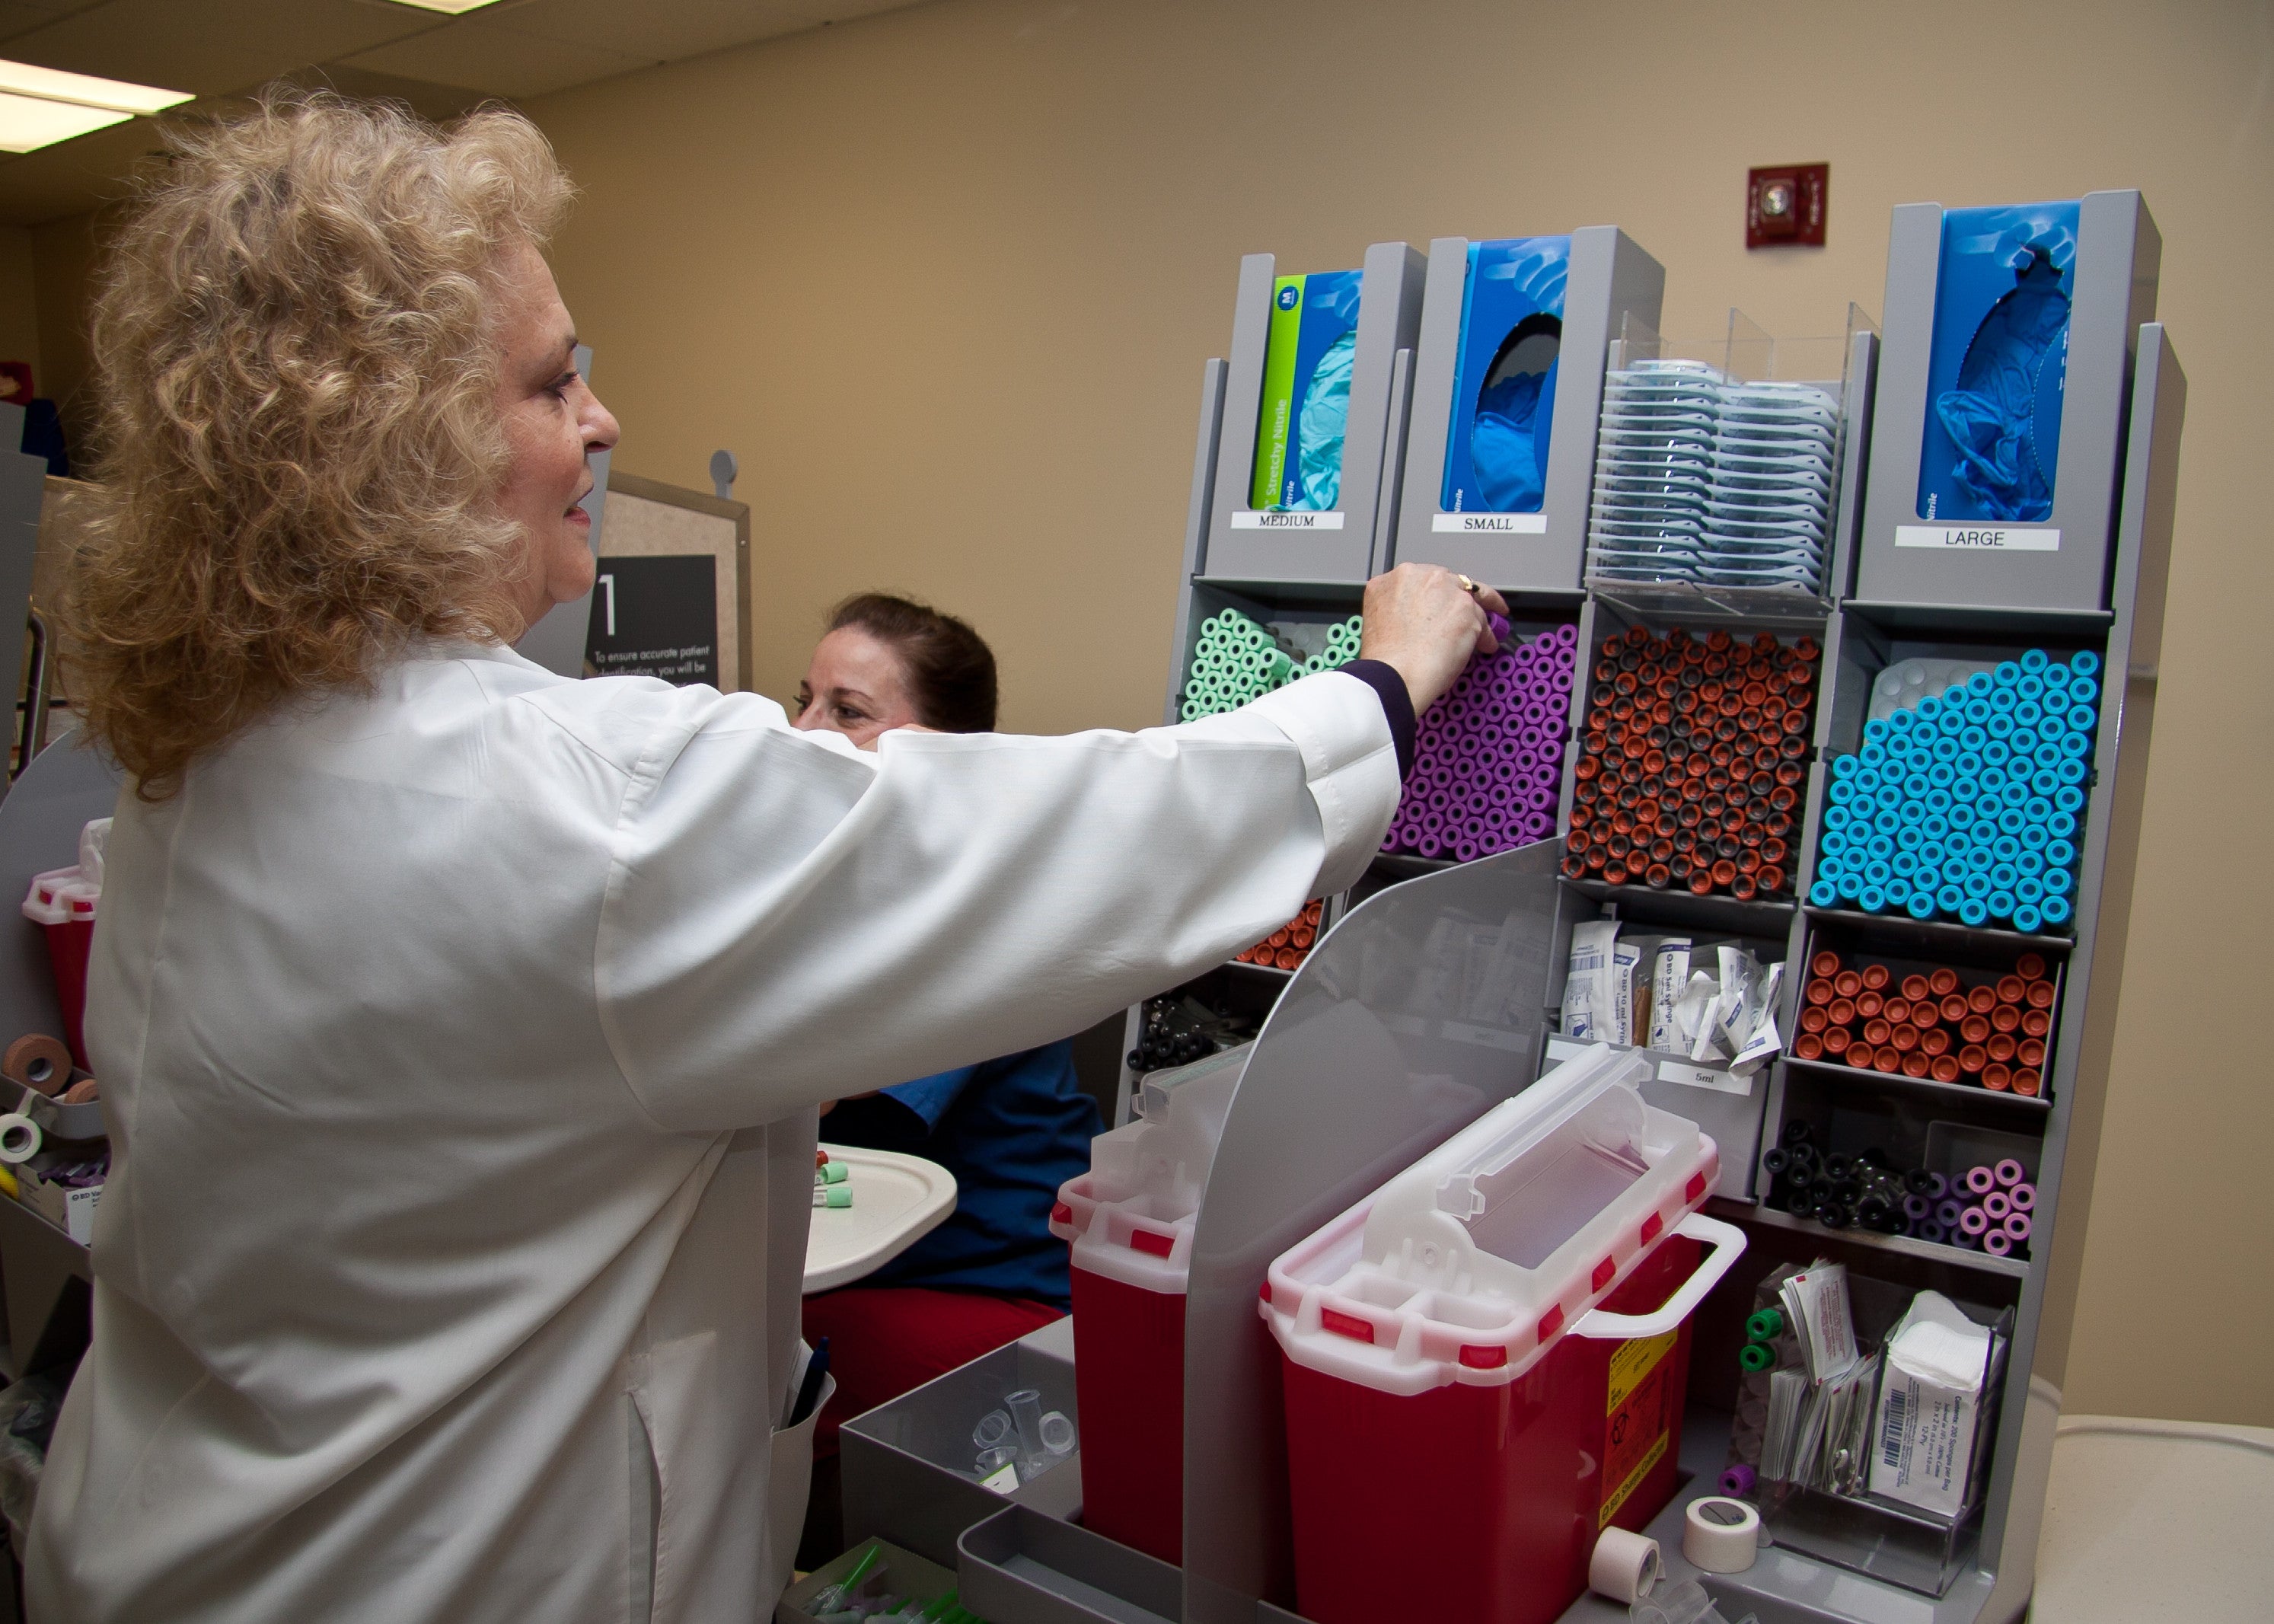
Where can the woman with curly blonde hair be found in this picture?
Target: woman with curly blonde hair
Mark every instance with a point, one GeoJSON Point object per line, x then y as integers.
{"type": "Point", "coordinates": [461, 1025]}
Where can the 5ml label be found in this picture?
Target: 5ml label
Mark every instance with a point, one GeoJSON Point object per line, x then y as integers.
{"type": "Point", "coordinates": [1978, 538]}
{"type": "Point", "coordinates": [1490, 524]}
{"type": "Point", "coordinates": [1703, 1077]}
{"type": "Point", "coordinates": [1246, 520]}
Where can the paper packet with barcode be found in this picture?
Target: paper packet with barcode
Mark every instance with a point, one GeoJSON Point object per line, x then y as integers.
{"type": "Point", "coordinates": [1930, 1396]}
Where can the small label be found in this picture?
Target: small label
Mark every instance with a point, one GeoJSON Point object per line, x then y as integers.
{"type": "Point", "coordinates": [1248, 520]}
{"type": "Point", "coordinates": [1703, 1077]}
{"type": "Point", "coordinates": [1560, 1050]}
{"type": "Point", "coordinates": [1490, 524]}
{"type": "Point", "coordinates": [1004, 1480]}
{"type": "Point", "coordinates": [1978, 538]}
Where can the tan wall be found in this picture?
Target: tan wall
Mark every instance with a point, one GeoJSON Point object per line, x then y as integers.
{"type": "Point", "coordinates": [19, 319]}
{"type": "Point", "coordinates": [944, 280]}
{"type": "Point", "coordinates": [63, 255]}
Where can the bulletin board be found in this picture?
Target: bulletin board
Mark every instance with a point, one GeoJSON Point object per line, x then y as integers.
{"type": "Point", "coordinates": [672, 599]}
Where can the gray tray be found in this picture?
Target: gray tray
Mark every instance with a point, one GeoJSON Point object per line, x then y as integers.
{"type": "Point", "coordinates": [905, 1464]}
{"type": "Point", "coordinates": [1019, 1566]}
{"type": "Point", "coordinates": [904, 1572]}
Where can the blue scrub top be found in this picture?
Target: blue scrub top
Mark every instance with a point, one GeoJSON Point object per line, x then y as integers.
{"type": "Point", "coordinates": [1012, 1131]}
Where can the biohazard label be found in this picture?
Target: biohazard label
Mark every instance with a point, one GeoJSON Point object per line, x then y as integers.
{"type": "Point", "coordinates": [1635, 1433]}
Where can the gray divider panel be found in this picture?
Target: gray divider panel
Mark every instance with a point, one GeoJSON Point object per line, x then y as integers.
{"type": "Point", "coordinates": [1855, 414]}
{"type": "Point", "coordinates": [1610, 275]}
{"type": "Point", "coordinates": [1337, 545]}
{"type": "Point", "coordinates": [1908, 558]}
{"type": "Point", "coordinates": [1421, 1010]}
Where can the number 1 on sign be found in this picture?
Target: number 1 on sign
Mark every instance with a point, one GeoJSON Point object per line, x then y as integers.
{"type": "Point", "coordinates": [608, 585]}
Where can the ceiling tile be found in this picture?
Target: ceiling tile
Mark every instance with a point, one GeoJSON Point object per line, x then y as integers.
{"type": "Point", "coordinates": [17, 16]}
{"type": "Point", "coordinates": [666, 33]}
{"type": "Point", "coordinates": [74, 176]}
{"type": "Point", "coordinates": [214, 49]}
{"type": "Point", "coordinates": [486, 56]}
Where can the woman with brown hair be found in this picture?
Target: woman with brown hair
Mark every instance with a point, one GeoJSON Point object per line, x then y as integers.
{"type": "Point", "coordinates": [461, 1025]}
{"type": "Point", "coordinates": [1012, 1128]}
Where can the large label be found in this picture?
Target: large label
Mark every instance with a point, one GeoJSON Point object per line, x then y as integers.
{"type": "Point", "coordinates": [1978, 538]}
{"type": "Point", "coordinates": [1490, 524]}
{"type": "Point", "coordinates": [1244, 520]}
{"type": "Point", "coordinates": [1636, 1430]}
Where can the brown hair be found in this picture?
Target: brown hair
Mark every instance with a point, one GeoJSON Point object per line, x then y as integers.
{"type": "Point", "coordinates": [300, 442]}
{"type": "Point", "coordinates": [951, 668]}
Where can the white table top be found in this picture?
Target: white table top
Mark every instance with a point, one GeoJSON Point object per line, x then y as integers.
{"type": "Point", "coordinates": [897, 1200]}
{"type": "Point", "coordinates": [2148, 1520]}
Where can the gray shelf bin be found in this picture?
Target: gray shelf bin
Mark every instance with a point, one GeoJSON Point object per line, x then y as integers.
{"type": "Point", "coordinates": [1724, 1105]}
{"type": "Point", "coordinates": [907, 1464]}
{"type": "Point", "coordinates": [1019, 1566]}
{"type": "Point", "coordinates": [1610, 277]}
{"type": "Point", "coordinates": [1867, 639]}
{"type": "Point", "coordinates": [1337, 545]}
{"type": "Point", "coordinates": [2061, 561]}
{"type": "Point", "coordinates": [1307, 608]}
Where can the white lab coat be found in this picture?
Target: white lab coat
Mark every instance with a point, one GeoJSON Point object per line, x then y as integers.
{"type": "Point", "coordinates": [460, 1043]}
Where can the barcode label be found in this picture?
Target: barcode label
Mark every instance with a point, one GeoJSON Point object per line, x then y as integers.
{"type": "Point", "coordinates": [1891, 1436]}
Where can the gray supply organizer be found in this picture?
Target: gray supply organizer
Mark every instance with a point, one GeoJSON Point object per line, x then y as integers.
{"type": "Point", "coordinates": [1435, 996]}
{"type": "Point", "coordinates": [1609, 278]}
{"type": "Point", "coordinates": [1270, 541]}
{"type": "Point", "coordinates": [1943, 377]}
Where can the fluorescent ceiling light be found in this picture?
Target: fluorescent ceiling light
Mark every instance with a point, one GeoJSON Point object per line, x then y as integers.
{"type": "Point", "coordinates": [454, 7]}
{"type": "Point", "coordinates": [49, 85]}
{"type": "Point", "coordinates": [27, 123]}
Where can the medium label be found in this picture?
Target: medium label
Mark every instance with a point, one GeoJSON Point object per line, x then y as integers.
{"type": "Point", "coordinates": [1246, 520]}
{"type": "Point", "coordinates": [1978, 538]}
{"type": "Point", "coordinates": [1490, 524]}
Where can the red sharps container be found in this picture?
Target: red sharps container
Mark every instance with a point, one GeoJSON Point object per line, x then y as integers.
{"type": "Point", "coordinates": [1130, 1220]}
{"type": "Point", "coordinates": [63, 902]}
{"type": "Point", "coordinates": [1484, 1362]}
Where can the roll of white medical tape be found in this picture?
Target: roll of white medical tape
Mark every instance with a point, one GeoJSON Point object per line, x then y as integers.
{"type": "Point", "coordinates": [1721, 1535]}
{"type": "Point", "coordinates": [20, 1138]}
{"type": "Point", "coordinates": [1624, 1566]}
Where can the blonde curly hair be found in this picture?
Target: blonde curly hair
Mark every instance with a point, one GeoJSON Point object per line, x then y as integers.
{"type": "Point", "coordinates": [300, 441]}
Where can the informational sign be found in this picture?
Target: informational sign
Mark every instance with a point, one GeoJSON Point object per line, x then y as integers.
{"type": "Point", "coordinates": [656, 616]}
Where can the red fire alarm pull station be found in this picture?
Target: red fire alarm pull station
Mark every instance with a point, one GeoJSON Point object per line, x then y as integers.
{"type": "Point", "coordinates": [1786, 205]}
